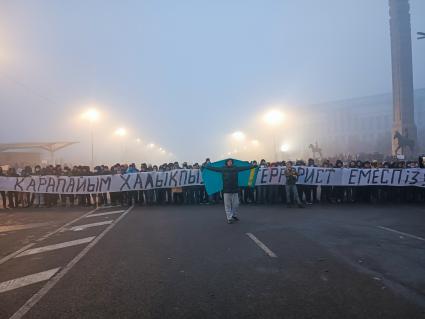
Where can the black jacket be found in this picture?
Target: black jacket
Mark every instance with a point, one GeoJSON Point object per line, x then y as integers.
{"type": "Point", "coordinates": [230, 176]}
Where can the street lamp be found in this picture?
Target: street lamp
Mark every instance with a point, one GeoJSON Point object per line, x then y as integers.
{"type": "Point", "coordinates": [273, 118]}
{"type": "Point", "coordinates": [92, 116]}
{"type": "Point", "coordinates": [238, 136]}
{"type": "Point", "coordinates": [284, 148]}
{"type": "Point", "coordinates": [121, 132]}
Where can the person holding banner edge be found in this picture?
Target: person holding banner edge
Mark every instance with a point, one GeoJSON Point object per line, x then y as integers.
{"type": "Point", "coordinates": [230, 187]}
{"type": "Point", "coordinates": [291, 188]}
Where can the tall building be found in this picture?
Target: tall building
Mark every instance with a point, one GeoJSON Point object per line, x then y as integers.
{"type": "Point", "coordinates": [401, 56]}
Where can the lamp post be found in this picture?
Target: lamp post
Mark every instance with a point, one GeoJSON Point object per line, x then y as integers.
{"type": "Point", "coordinates": [273, 118]}
{"type": "Point", "coordinates": [91, 115]}
{"type": "Point", "coordinates": [121, 132]}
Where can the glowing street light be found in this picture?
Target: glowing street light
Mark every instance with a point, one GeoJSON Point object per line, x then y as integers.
{"type": "Point", "coordinates": [121, 132]}
{"type": "Point", "coordinates": [255, 142]}
{"type": "Point", "coordinates": [284, 148]}
{"type": "Point", "coordinates": [273, 117]}
{"type": "Point", "coordinates": [238, 136]}
{"type": "Point", "coordinates": [138, 140]}
{"type": "Point", "coordinates": [92, 116]}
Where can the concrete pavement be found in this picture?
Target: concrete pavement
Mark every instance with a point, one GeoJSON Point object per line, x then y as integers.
{"type": "Point", "coordinates": [186, 262]}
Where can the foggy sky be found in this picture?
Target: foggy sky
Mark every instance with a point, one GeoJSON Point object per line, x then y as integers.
{"type": "Point", "coordinates": [185, 74]}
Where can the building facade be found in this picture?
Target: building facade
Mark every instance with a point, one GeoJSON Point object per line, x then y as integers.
{"type": "Point", "coordinates": [359, 125]}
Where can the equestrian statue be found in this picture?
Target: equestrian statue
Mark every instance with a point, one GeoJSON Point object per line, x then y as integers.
{"type": "Point", "coordinates": [403, 142]}
{"type": "Point", "coordinates": [316, 150]}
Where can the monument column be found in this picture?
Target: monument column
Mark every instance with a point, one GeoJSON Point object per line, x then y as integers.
{"type": "Point", "coordinates": [402, 74]}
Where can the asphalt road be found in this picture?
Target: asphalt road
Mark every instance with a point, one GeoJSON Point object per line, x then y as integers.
{"type": "Point", "coordinates": [349, 261]}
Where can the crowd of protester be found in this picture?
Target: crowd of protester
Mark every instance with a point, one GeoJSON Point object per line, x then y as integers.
{"type": "Point", "coordinates": [261, 195]}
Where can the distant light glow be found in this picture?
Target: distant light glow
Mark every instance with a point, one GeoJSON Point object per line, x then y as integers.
{"type": "Point", "coordinates": [284, 147]}
{"type": "Point", "coordinates": [151, 145]}
{"type": "Point", "coordinates": [238, 136]}
{"type": "Point", "coordinates": [121, 132]}
{"type": "Point", "coordinates": [91, 115]}
{"type": "Point", "coordinates": [255, 142]}
{"type": "Point", "coordinates": [138, 140]}
{"type": "Point", "coordinates": [273, 117]}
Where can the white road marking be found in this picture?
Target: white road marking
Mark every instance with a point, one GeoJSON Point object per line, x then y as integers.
{"type": "Point", "coordinates": [56, 246]}
{"type": "Point", "coordinates": [82, 227]}
{"type": "Point", "coordinates": [401, 233]}
{"type": "Point", "coordinates": [262, 246]}
{"type": "Point", "coordinates": [107, 213]}
{"type": "Point", "coordinates": [27, 280]}
{"type": "Point", "coordinates": [21, 227]}
{"type": "Point", "coordinates": [12, 255]}
{"type": "Point", "coordinates": [53, 281]}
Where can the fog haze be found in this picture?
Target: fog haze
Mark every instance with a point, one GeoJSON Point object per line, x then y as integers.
{"type": "Point", "coordinates": [184, 75]}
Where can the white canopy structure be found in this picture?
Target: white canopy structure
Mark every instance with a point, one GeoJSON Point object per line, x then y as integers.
{"type": "Point", "coordinates": [51, 147]}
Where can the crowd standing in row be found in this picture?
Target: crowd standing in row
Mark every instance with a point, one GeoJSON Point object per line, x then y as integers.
{"type": "Point", "coordinates": [268, 194]}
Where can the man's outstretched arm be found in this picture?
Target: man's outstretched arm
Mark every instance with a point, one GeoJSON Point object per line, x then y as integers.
{"type": "Point", "coordinates": [214, 169]}
{"type": "Point", "coordinates": [245, 168]}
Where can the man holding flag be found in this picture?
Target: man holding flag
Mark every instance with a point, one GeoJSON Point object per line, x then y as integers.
{"type": "Point", "coordinates": [230, 184]}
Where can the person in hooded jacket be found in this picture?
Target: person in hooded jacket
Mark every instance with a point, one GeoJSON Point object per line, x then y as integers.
{"type": "Point", "coordinates": [12, 195]}
{"type": "Point", "coordinates": [310, 191]}
{"type": "Point", "coordinates": [339, 191]}
{"type": "Point", "coordinates": [3, 193]}
{"type": "Point", "coordinates": [261, 190]}
{"type": "Point", "coordinates": [230, 187]}
{"type": "Point", "coordinates": [132, 196]}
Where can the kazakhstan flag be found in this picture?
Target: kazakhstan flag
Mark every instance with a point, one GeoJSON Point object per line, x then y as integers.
{"type": "Point", "coordinates": [214, 182]}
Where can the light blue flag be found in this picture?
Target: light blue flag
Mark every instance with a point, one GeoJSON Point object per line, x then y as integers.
{"type": "Point", "coordinates": [214, 182]}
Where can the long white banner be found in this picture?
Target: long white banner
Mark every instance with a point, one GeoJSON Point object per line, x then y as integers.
{"type": "Point", "coordinates": [345, 176]}
{"type": "Point", "coordinates": [186, 177]}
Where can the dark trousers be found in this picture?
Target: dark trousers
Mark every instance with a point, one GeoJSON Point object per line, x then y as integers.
{"type": "Point", "coordinates": [132, 197]}
{"type": "Point", "coordinates": [338, 193]}
{"type": "Point", "coordinates": [261, 194]}
{"type": "Point", "coordinates": [326, 194]}
{"type": "Point", "coordinates": [141, 197]}
{"type": "Point", "coordinates": [178, 198]}
{"type": "Point", "coordinates": [3, 198]}
{"type": "Point", "coordinates": [310, 193]}
{"type": "Point", "coordinates": [13, 199]}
